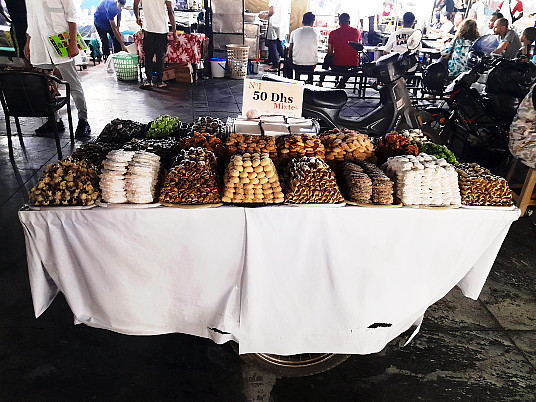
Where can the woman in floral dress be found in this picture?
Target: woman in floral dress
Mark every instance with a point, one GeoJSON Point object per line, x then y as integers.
{"type": "Point", "coordinates": [456, 51]}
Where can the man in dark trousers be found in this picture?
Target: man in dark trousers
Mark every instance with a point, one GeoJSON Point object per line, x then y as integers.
{"type": "Point", "coordinates": [19, 24]}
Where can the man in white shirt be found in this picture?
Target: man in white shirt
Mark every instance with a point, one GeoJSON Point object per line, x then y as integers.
{"type": "Point", "coordinates": [278, 16]}
{"type": "Point", "coordinates": [155, 30]}
{"type": "Point", "coordinates": [303, 50]}
{"type": "Point", "coordinates": [49, 18]}
{"type": "Point", "coordinates": [398, 40]}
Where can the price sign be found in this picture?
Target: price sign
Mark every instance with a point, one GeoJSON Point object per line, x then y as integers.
{"type": "Point", "coordinates": [264, 98]}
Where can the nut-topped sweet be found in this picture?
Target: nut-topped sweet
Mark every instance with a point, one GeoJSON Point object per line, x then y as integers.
{"type": "Point", "coordinates": [192, 180]}
{"type": "Point", "coordinates": [245, 143]}
{"type": "Point", "coordinates": [346, 145]}
{"type": "Point", "coordinates": [478, 186]}
{"type": "Point", "coordinates": [296, 146]}
{"type": "Point", "coordinates": [251, 178]}
{"type": "Point", "coordinates": [311, 181]}
{"type": "Point", "coordinates": [68, 182]}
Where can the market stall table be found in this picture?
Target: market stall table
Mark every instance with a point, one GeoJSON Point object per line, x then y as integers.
{"type": "Point", "coordinates": [280, 279]}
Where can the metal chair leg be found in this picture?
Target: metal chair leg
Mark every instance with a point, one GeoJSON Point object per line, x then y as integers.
{"type": "Point", "coordinates": [19, 131]}
{"type": "Point", "coordinates": [57, 137]}
{"type": "Point", "coordinates": [70, 119]}
{"type": "Point", "coordinates": [9, 140]}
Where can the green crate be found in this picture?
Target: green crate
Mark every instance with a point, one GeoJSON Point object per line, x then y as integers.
{"type": "Point", "coordinates": [126, 66]}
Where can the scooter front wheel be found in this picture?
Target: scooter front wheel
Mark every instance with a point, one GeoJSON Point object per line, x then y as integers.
{"type": "Point", "coordinates": [300, 365]}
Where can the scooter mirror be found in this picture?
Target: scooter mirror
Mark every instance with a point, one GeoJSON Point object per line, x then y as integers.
{"type": "Point", "coordinates": [356, 45]}
{"type": "Point", "coordinates": [414, 40]}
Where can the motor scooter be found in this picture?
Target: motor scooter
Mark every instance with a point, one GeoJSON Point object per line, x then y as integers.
{"type": "Point", "coordinates": [477, 124]}
{"type": "Point", "coordinates": [394, 112]}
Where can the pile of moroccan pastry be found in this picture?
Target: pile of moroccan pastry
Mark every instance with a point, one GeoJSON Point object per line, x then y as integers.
{"type": "Point", "coordinates": [129, 176]}
{"type": "Point", "coordinates": [296, 146]}
{"type": "Point", "coordinates": [366, 183]}
{"type": "Point", "coordinates": [347, 145]}
{"type": "Point", "coordinates": [311, 181]}
{"type": "Point", "coordinates": [478, 186]}
{"type": "Point", "coordinates": [193, 179]}
{"type": "Point", "coordinates": [238, 144]}
{"type": "Point", "coordinates": [251, 178]}
{"type": "Point", "coordinates": [423, 180]}
{"type": "Point", "coordinates": [68, 182]}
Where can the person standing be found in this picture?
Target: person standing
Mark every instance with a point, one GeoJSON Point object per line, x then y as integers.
{"type": "Point", "coordinates": [511, 9]}
{"type": "Point", "coordinates": [509, 43]}
{"type": "Point", "coordinates": [104, 17]}
{"type": "Point", "coordinates": [17, 12]}
{"type": "Point", "coordinates": [303, 49]}
{"type": "Point", "coordinates": [48, 18]}
{"type": "Point", "coordinates": [155, 30]}
{"type": "Point", "coordinates": [278, 16]}
{"type": "Point", "coordinates": [345, 58]}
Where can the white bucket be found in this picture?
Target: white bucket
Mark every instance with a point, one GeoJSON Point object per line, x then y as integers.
{"type": "Point", "coordinates": [217, 67]}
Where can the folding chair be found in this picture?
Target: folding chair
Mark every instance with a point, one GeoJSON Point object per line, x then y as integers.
{"type": "Point", "coordinates": [28, 94]}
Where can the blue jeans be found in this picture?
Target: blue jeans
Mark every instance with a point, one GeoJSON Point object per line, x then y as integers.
{"type": "Point", "coordinates": [275, 51]}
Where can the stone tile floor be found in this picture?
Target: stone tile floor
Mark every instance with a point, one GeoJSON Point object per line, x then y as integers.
{"type": "Point", "coordinates": [467, 350]}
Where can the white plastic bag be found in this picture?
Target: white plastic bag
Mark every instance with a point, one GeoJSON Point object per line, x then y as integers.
{"type": "Point", "coordinates": [110, 65]}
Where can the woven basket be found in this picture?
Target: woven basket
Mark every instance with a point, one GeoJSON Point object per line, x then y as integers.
{"type": "Point", "coordinates": [237, 59]}
{"type": "Point", "coordinates": [126, 66]}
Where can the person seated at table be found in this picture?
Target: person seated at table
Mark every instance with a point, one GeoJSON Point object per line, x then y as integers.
{"type": "Point", "coordinates": [509, 43]}
{"type": "Point", "coordinates": [104, 20]}
{"type": "Point", "coordinates": [303, 49]}
{"type": "Point", "coordinates": [443, 28]}
{"type": "Point", "coordinates": [491, 23]}
{"type": "Point", "coordinates": [398, 40]}
{"type": "Point", "coordinates": [456, 51]}
{"type": "Point", "coordinates": [527, 38]}
{"type": "Point", "coordinates": [345, 57]}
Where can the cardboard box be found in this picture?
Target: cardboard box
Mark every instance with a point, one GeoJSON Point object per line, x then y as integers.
{"type": "Point", "coordinates": [168, 75]}
{"type": "Point", "coordinates": [183, 72]}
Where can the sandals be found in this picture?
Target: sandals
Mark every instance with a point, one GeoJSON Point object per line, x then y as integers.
{"type": "Point", "coordinates": [146, 84]}
{"type": "Point", "coordinates": [271, 70]}
{"type": "Point", "coordinates": [161, 85]}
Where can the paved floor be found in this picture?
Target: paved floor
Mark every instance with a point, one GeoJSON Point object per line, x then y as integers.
{"type": "Point", "coordinates": [467, 350]}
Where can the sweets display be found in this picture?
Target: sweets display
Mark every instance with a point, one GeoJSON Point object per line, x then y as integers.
{"type": "Point", "coordinates": [163, 126]}
{"type": "Point", "coordinates": [356, 184]}
{"type": "Point", "coordinates": [478, 186]}
{"type": "Point", "coordinates": [251, 178]}
{"type": "Point", "coordinates": [245, 143]}
{"type": "Point", "coordinates": [192, 180]}
{"type": "Point", "coordinates": [120, 131]}
{"type": "Point", "coordinates": [165, 148]}
{"type": "Point", "coordinates": [423, 180]}
{"type": "Point", "coordinates": [394, 144]}
{"type": "Point", "coordinates": [94, 153]}
{"type": "Point", "coordinates": [416, 136]}
{"type": "Point", "coordinates": [439, 151]}
{"type": "Point", "coordinates": [296, 146]}
{"type": "Point", "coordinates": [311, 181]}
{"type": "Point", "coordinates": [68, 182]}
{"type": "Point", "coordinates": [204, 140]}
{"type": "Point", "coordinates": [209, 125]}
{"type": "Point", "coordinates": [382, 186]}
{"type": "Point", "coordinates": [346, 145]}
{"type": "Point", "coordinates": [142, 177]}
{"type": "Point", "coordinates": [112, 182]}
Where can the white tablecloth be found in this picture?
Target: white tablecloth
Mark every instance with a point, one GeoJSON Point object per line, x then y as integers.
{"type": "Point", "coordinates": [279, 280]}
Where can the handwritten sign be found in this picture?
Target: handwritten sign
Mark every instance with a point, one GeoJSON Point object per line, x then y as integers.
{"type": "Point", "coordinates": [264, 98]}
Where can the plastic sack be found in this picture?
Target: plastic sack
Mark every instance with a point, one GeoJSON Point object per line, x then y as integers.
{"type": "Point", "coordinates": [522, 136]}
{"type": "Point", "coordinates": [110, 65]}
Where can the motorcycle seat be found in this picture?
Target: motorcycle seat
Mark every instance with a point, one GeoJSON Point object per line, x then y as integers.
{"type": "Point", "coordinates": [313, 95]}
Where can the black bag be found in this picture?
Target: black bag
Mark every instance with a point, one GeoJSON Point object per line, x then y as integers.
{"type": "Point", "coordinates": [328, 62]}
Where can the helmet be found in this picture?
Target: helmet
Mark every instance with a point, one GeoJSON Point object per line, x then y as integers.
{"type": "Point", "coordinates": [434, 78]}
